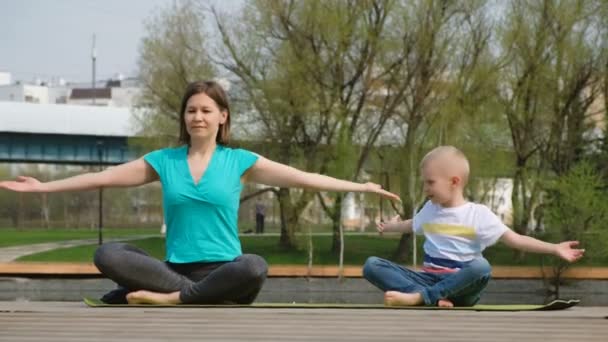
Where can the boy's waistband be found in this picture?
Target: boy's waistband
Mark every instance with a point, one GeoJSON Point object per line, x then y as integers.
{"type": "Point", "coordinates": [440, 265]}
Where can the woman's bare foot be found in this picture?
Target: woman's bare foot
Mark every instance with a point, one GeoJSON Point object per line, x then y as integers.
{"type": "Point", "coordinates": [445, 303]}
{"type": "Point", "coordinates": [396, 298]}
{"type": "Point", "coordinates": [149, 297]}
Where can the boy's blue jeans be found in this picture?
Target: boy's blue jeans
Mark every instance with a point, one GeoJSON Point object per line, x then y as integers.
{"type": "Point", "coordinates": [463, 288]}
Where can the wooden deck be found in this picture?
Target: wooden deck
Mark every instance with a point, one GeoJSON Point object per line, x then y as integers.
{"type": "Point", "coordinates": [88, 269]}
{"type": "Point", "coordinates": [73, 321]}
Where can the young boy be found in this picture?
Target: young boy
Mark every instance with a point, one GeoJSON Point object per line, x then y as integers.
{"type": "Point", "coordinates": [456, 232]}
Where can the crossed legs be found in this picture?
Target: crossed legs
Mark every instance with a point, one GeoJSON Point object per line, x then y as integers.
{"type": "Point", "coordinates": [144, 279]}
{"type": "Point", "coordinates": [403, 286]}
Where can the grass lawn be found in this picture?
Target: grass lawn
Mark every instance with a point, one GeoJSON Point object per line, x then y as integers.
{"type": "Point", "coordinates": [357, 249]}
{"type": "Point", "coordinates": [15, 237]}
{"type": "Point", "coordinates": [274, 227]}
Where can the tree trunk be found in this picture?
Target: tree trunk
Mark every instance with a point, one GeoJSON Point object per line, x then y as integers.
{"type": "Point", "coordinates": [45, 210]}
{"type": "Point", "coordinates": [518, 200]}
{"type": "Point", "coordinates": [523, 199]}
{"type": "Point", "coordinates": [20, 211]}
{"type": "Point", "coordinates": [66, 213]}
{"type": "Point", "coordinates": [336, 218]}
{"type": "Point", "coordinates": [403, 250]}
{"type": "Point", "coordinates": [288, 221]}
{"type": "Point", "coordinates": [408, 195]}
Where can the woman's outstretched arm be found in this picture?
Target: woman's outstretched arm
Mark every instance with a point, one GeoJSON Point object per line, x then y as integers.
{"type": "Point", "coordinates": [268, 172]}
{"type": "Point", "coordinates": [133, 173]}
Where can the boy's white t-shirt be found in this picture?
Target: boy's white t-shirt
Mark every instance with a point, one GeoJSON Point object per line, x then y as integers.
{"type": "Point", "coordinates": [456, 235]}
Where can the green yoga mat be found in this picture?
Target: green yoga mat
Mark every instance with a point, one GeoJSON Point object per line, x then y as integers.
{"type": "Point", "coordinates": [558, 304]}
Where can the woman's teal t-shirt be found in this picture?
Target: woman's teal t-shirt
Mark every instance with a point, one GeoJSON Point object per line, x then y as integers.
{"type": "Point", "coordinates": [201, 218]}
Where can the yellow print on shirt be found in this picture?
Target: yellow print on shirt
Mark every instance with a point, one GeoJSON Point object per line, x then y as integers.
{"type": "Point", "coordinates": [449, 229]}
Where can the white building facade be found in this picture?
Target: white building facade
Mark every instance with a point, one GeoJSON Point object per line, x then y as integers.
{"type": "Point", "coordinates": [113, 93]}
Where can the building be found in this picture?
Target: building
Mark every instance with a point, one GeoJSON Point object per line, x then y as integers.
{"type": "Point", "coordinates": [118, 92]}
{"type": "Point", "coordinates": [34, 93]}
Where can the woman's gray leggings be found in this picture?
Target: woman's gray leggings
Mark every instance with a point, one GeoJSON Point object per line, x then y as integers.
{"type": "Point", "coordinates": [238, 281]}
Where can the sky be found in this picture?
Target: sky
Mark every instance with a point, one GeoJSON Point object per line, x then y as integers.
{"type": "Point", "coordinates": [52, 39]}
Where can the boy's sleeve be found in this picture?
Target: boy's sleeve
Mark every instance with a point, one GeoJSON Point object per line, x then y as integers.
{"type": "Point", "coordinates": [491, 227]}
{"type": "Point", "coordinates": [246, 159]}
{"type": "Point", "coordinates": [156, 159]}
{"type": "Point", "coordinates": [420, 218]}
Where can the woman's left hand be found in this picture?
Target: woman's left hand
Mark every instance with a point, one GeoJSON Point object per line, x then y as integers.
{"type": "Point", "coordinates": [376, 188]}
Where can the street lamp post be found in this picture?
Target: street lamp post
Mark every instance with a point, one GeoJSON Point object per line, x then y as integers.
{"type": "Point", "coordinates": [100, 223]}
{"type": "Point", "coordinates": [93, 59]}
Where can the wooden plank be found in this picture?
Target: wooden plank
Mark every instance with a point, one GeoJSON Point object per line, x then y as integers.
{"type": "Point", "coordinates": [71, 321]}
{"type": "Point", "coordinates": [58, 268]}
{"type": "Point", "coordinates": [511, 272]}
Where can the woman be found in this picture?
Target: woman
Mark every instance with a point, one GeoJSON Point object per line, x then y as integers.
{"type": "Point", "coordinates": [201, 180]}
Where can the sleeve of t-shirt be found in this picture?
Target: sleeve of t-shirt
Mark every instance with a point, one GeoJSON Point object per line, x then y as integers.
{"type": "Point", "coordinates": [420, 218]}
{"type": "Point", "coordinates": [156, 159]}
{"type": "Point", "coordinates": [491, 227]}
{"type": "Point", "coordinates": [246, 159]}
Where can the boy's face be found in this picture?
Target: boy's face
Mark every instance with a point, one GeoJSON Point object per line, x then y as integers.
{"type": "Point", "coordinates": [438, 183]}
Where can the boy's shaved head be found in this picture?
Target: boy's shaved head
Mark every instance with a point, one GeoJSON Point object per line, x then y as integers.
{"type": "Point", "coordinates": [450, 160]}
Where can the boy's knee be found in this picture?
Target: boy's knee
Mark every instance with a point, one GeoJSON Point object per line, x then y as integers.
{"type": "Point", "coordinates": [480, 267]}
{"type": "Point", "coordinates": [370, 266]}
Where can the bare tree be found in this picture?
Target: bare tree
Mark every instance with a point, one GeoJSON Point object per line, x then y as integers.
{"type": "Point", "coordinates": [522, 90]}
{"type": "Point", "coordinates": [316, 73]}
{"type": "Point", "coordinates": [172, 54]}
{"type": "Point", "coordinates": [445, 47]}
{"type": "Point", "coordinates": [548, 83]}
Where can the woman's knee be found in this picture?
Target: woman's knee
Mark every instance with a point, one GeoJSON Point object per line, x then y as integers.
{"type": "Point", "coordinates": [255, 267]}
{"type": "Point", "coordinates": [107, 254]}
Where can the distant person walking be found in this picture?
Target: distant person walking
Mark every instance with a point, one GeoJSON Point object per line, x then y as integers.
{"type": "Point", "coordinates": [260, 215]}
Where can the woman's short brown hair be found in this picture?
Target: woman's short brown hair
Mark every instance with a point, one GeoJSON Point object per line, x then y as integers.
{"type": "Point", "coordinates": [217, 94]}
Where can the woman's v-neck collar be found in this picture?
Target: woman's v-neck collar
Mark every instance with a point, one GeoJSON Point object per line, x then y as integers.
{"type": "Point", "coordinates": [209, 164]}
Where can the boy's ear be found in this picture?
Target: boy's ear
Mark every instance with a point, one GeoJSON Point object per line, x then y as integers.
{"type": "Point", "coordinates": [456, 180]}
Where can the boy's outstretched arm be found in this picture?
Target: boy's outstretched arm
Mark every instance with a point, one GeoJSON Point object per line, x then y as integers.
{"type": "Point", "coordinates": [395, 225]}
{"type": "Point", "coordinates": [564, 250]}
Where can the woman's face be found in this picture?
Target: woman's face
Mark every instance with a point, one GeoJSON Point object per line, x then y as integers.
{"type": "Point", "coordinates": [203, 117]}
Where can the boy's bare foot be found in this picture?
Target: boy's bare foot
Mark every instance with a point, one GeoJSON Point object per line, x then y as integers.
{"type": "Point", "coordinates": [445, 303]}
{"type": "Point", "coordinates": [396, 298]}
{"type": "Point", "coordinates": [149, 297]}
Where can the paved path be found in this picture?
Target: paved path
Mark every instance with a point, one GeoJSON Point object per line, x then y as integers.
{"type": "Point", "coordinates": [8, 254]}
{"type": "Point", "coordinates": [73, 321]}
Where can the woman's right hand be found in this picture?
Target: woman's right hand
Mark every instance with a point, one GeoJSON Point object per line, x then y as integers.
{"type": "Point", "coordinates": [377, 188]}
{"type": "Point", "coordinates": [23, 184]}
